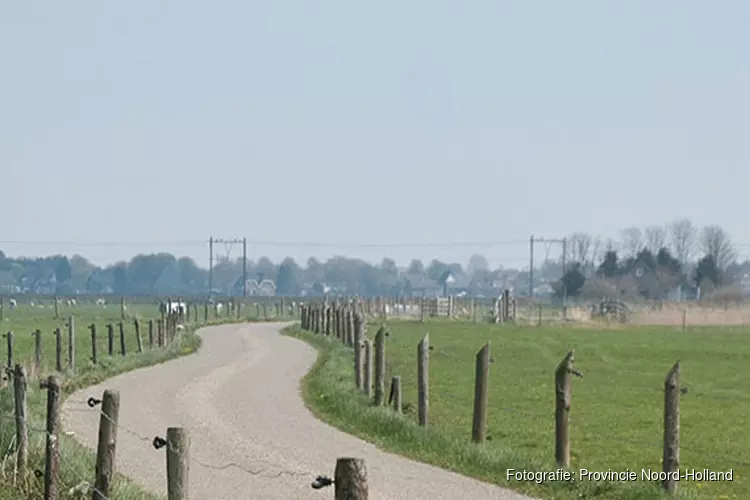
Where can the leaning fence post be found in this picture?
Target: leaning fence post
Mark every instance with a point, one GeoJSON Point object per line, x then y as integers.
{"type": "Point", "coordinates": [671, 458]}
{"type": "Point", "coordinates": [178, 465]}
{"type": "Point", "coordinates": [151, 334]}
{"type": "Point", "coordinates": [563, 387]}
{"type": "Point", "coordinates": [122, 338]}
{"type": "Point", "coordinates": [481, 395]}
{"type": "Point", "coordinates": [350, 479]}
{"type": "Point", "coordinates": [380, 366]}
{"type": "Point", "coordinates": [52, 456]}
{"type": "Point", "coordinates": [105, 452]}
{"type": "Point", "coordinates": [22, 431]}
{"type": "Point", "coordinates": [423, 386]}
{"type": "Point", "coordinates": [139, 342]}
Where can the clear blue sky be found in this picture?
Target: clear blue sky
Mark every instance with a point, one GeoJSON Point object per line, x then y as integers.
{"type": "Point", "coordinates": [354, 123]}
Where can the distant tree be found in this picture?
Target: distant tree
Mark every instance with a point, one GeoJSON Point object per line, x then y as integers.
{"type": "Point", "coordinates": [120, 279]}
{"type": "Point", "coordinates": [610, 266]}
{"type": "Point", "coordinates": [656, 237]}
{"type": "Point", "coordinates": [388, 266]}
{"type": "Point", "coordinates": [477, 263]}
{"type": "Point", "coordinates": [416, 267]}
{"type": "Point", "coordinates": [192, 276]}
{"type": "Point", "coordinates": [682, 239]}
{"type": "Point", "coordinates": [572, 281]}
{"type": "Point", "coordinates": [714, 241]}
{"type": "Point", "coordinates": [667, 262]}
{"type": "Point", "coordinates": [288, 277]}
{"type": "Point", "coordinates": [707, 270]}
{"type": "Point", "coordinates": [579, 247]}
{"type": "Point", "coordinates": [62, 270]}
{"type": "Point", "coordinates": [265, 266]}
{"type": "Point", "coordinates": [436, 269]}
{"type": "Point", "coordinates": [632, 241]}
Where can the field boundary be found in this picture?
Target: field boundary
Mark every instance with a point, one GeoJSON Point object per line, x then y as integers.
{"type": "Point", "coordinates": [347, 388]}
{"type": "Point", "coordinates": [32, 400]}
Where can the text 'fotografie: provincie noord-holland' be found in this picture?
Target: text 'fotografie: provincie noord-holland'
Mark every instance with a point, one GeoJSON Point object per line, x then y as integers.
{"type": "Point", "coordinates": [626, 475]}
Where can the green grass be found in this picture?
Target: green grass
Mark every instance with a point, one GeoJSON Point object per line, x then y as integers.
{"type": "Point", "coordinates": [77, 462]}
{"type": "Point", "coordinates": [617, 407]}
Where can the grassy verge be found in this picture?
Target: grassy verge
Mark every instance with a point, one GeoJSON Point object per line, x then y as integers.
{"type": "Point", "coordinates": [611, 401]}
{"type": "Point", "coordinates": [77, 462]}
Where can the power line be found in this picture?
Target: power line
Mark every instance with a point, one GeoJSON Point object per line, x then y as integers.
{"type": "Point", "coordinates": [278, 243]}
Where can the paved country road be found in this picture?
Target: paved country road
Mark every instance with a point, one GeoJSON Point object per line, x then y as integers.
{"type": "Point", "coordinates": [239, 398]}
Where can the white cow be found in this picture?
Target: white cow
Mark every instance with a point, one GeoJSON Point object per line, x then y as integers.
{"type": "Point", "coordinates": [173, 307]}
{"type": "Point", "coordinates": [100, 302]}
{"type": "Point", "coordinates": [13, 303]}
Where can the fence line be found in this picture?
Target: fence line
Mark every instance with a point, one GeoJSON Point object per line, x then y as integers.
{"type": "Point", "coordinates": [313, 319]}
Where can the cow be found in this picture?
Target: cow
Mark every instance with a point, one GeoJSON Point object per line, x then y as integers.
{"type": "Point", "coordinates": [173, 308]}
{"type": "Point", "coordinates": [101, 302]}
{"type": "Point", "coordinates": [13, 303]}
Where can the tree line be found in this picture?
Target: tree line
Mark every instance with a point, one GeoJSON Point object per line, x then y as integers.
{"type": "Point", "coordinates": [676, 254]}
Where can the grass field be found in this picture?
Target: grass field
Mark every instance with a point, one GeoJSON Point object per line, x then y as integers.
{"type": "Point", "coordinates": [77, 463]}
{"type": "Point", "coordinates": [617, 407]}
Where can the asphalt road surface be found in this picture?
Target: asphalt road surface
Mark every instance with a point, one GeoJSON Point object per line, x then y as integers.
{"type": "Point", "coordinates": [251, 435]}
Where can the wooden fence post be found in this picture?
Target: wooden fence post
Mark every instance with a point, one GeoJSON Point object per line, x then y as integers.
{"type": "Point", "coordinates": [123, 348]}
{"type": "Point", "coordinates": [151, 334]}
{"type": "Point", "coordinates": [328, 313]}
{"type": "Point", "coordinates": [350, 479]}
{"type": "Point", "coordinates": [359, 334]}
{"type": "Point", "coordinates": [92, 327]}
{"type": "Point", "coordinates": [423, 373]}
{"type": "Point", "coordinates": [160, 333]}
{"type": "Point", "coordinates": [671, 458]}
{"type": "Point", "coordinates": [368, 367]}
{"type": "Point", "coordinates": [58, 350]}
{"type": "Point", "coordinates": [9, 338]}
{"type": "Point", "coordinates": [178, 465]}
{"type": "Point", "coordinates": [205, 312]}
{"type": "Point", "coordinates": [105, 452]}
{"type": "Point", "coordinates": [52, 452]}
{"type": "Point", "coordinates": [71, 343]}
{"type": "Point", "coordinates": [37, 350]}
{"type": "Point", "coordinates": [122, 307]}
{"type": "Point", "coordinates": [350, 325]}
{"type": "Point", "coordinates": [481, 395]}
{"type": "Point", "coordinates": [57, 308]}
{"type": "Point", "coordinates": [110, 339]}
{"type": "Point", "coordinates": [563, 387]}
{"type": "Point", "coordinates": [395, 397]}
{"type": "Point", "coordinates": [22, 431]}
{"type": "Point", "coordinates": [139, 342]}
{"type": "Point", "coordinates": [380, 366]}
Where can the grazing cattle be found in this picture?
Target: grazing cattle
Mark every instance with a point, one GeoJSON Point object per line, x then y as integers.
{"type": "Point", "coordinates": [100, 302]}
{"type": "Point", "coordinates": [219, 307]}
{"type": "Point", "coordinates": [173, 307]}
{"type": "Point", "coordinates": [70, 302]}
{"type": "Point", "coordinates": [13, 303]}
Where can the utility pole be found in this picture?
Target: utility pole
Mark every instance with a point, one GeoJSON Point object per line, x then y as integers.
{"type": "Point", "coordinates": [244, 267]}
{"type": "Point", "coordinates": [232, 241]}
{"type": "Point", "coordinates": [210, 266]}
{"type": "Point", "coordinates": [564, 243]}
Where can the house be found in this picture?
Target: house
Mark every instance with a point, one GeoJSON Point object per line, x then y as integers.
{"type": "Point", "coordinates": [417, 285]}
{"type": "Point", "coordinates": [8, 284]}
{"type": "Point", "coordinates": [453, 284]}
{"type": "Point", "coordinates": [264, 287]}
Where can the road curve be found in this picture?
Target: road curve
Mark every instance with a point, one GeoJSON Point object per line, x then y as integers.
{"type": "Point", "coordinates": [239, 397]}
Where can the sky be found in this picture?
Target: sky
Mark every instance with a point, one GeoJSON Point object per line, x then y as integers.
{"type": "Point", "coordinates": [428, 129]}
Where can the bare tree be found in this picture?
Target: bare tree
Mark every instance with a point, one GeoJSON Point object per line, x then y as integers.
{"type": "Point", "coordinates": [632, 240]}
{"type": "Point", "coordinates": [477, 263]}
{"type": "Point", "coordinates": [597, 250]}
{"type": "Point", "coordinates": [579, 246]}
{"type": "Point", "coordinates": [682, 238]}
{"type": "Point", "coordinates": [656, 237]}
{"type": "Point", "coordinates": [716, 242]}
